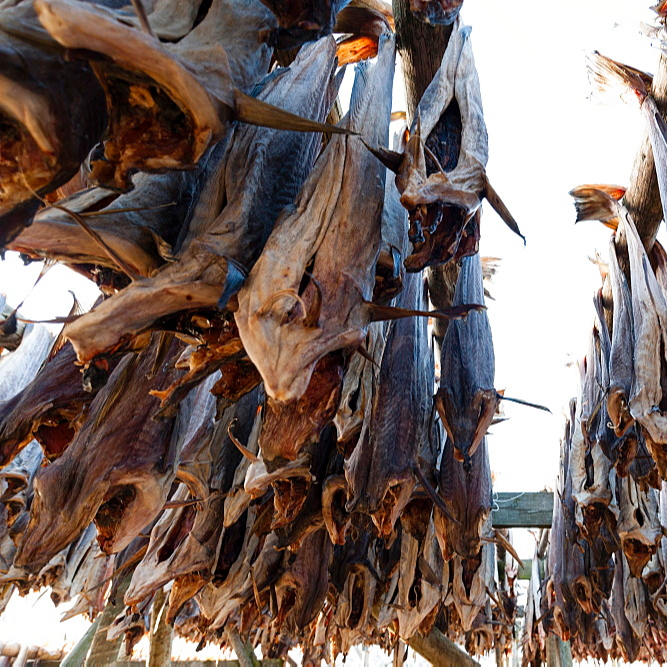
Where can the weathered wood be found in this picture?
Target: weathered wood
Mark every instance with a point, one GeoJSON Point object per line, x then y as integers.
{"type": "Point", "coordinates": [440, 651]}
{"type": "Point", "coordinates": [642, 198]}
{"type": "Point", "coordinates": [559, 653]}
{"type": "Point", "coordinates": [523, 510]}
{"type": "Point", "coordinates": [77, 656]}
{"type": "Point", "coordinates": [103, 651]}
{"type": "Point", "coordinates": [161, 634]}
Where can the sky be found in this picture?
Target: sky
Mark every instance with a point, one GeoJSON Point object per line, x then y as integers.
{"type": "Point", "coordinates": [547, 134]}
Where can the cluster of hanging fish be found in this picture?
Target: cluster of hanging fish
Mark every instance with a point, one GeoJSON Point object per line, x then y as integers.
{"type": "Point", "coordinates": [603, 584]}
{"type": "Point", "coordinates": [247, 415]}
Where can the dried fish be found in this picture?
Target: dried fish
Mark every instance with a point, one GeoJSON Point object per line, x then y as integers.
{"type": "Point", "coordinates": [117, 470]}
{"type": "Point", "coordinates": [224, 240]}
{"type": "Point", "coordinates": [52, 114]}
{"type": "Point", "coordinates": [443, 192]}
{"type": "Point", "coordinates": [399, 422]}
{"type": "Point", "coordinates": [467, 399]}
{"type": "Point", "coordinates": [307, 294]}
{"type": "Point", "coordinates": [51, 408]}
{"type": "Point", "coordinates": [302, 21]}
{"type": "Point", "coordinates": [186, 540]}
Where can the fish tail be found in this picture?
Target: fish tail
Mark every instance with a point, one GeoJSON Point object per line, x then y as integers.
{"type": "Point", "coordinates": [608, 75]}
{"type": "Point", "coordinates": [598, 202]}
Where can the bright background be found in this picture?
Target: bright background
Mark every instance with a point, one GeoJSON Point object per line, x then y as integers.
{"type": "Point", "coordinates": [547, 134]}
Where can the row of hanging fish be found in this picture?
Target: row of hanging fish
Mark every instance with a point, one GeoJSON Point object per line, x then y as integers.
{"type": "Point", "coordinates": [247, 415]}
{"type": "Point", "coordinates": [602, 584]}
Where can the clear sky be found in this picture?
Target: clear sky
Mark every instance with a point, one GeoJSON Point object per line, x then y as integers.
{"type": "Point", "coordinates": [546, 136]}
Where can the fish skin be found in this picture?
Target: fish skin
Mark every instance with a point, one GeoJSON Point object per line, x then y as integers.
{"type": "Point", "coordinates": [320, 229]}
{"type": "Point", "coordinates": [193, 77]}
{"type": "Point", "coordinates": [143, 238]}
{"type": "Point", "coordinates": [621, 362]}
{"type": "Point", "coordinates": [466, 399]}
{"type": "Point", "coordinates": [380, 469]}
{"type": "Point", "coordinates": [649, 313]}
{"type": "Point", "coordinates": [56, 107]}
{"type": "Point", "coordinates": [232, 220]}
{"type": "Point", "coordinates": [197, 552]}
{"type": "Point", "coordinates": [127, 453]}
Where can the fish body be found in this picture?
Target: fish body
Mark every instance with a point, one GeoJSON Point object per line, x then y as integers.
{"type": "Point", "coordinates": [246, 190]}
{"type": "Point", "coordinates": [328, 241]}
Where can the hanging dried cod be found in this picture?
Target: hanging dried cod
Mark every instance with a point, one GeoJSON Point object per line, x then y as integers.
{"type": "Point", "coordinates": [117, 470]}
{"type": "Point", "coordinates": [287, 327]}
{"type": "Point", "coordinates": [398, 425]}
{"type": "Point", "coordinates": [243, 197]}
{"type": "Point", "coordinates": [441, 175]}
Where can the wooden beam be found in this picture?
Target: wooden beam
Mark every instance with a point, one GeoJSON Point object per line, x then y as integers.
{"type": "Point", "coordinates": [440, 651]}
{"type": "Point", "coordinates": [523, 510]}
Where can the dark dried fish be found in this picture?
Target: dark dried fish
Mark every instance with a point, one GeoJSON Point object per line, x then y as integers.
{"type": "Point", "coordinates": [117, 470]}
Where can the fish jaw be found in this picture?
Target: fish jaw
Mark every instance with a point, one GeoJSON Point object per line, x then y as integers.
{"type": "Point", "coordinates": [49, 530]}
{"type": "Point", "coordinates": [467, 425]}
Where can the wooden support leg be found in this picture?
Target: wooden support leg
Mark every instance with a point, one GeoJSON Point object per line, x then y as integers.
{"type": "Point", "coordinates": [77, 656]}
{"type": "Point", "coordinates": [162, 634]}
{"type": "Point", "coordinates": [102, 651]}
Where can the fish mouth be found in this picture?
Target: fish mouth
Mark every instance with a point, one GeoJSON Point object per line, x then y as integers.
{"type": "Point", "coordinates": [110, 514]}
{"type": "Point", "coordinates": [142, 115]}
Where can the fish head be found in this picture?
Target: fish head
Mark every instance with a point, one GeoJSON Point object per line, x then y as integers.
{"type": "Point", "coordinates": [466, 421]}
{"type": "Point", "coordinates": [438, 12]}
{"type": "Point", "coordinates": [61, 510]}
{"type": "Point", "coordinates": [285, 335]}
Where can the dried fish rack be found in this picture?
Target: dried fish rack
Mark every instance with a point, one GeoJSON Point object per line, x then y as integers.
{"type": "Point", "coordinates": [239, 443]}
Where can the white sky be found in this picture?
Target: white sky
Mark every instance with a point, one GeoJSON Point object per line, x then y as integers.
{"type": "Point", "coordinates": [546, 136]}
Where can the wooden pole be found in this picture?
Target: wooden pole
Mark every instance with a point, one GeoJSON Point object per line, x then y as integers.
{"type": "Point", "coordinates": [102, 651]}
{"type": "Point", "coordinates": [161, 634]}
{"type": "Point", "coordinates": [642, 198]}
{"type": "Point", "coordinates": [440, 651]}
{"type": "Point", "coordinates": [77, 656]}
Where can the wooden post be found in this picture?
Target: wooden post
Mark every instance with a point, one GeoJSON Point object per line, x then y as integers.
{"type": "Point", "coordinates": [102, 651]}
{"type": "Point", "coordinates": [642, 197]}
{"type": "Point", "coordinates": [161, 633]}
{"type": "Point", "coordinates": [440, 651]}
{"type": "Point", "coordinates": [77, 656]}
{"type": "Point", "coordinates": [559, 653]}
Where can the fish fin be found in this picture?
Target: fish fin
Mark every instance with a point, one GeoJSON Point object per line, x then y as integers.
{"type": "Point", "coordinates": [509, 547]}
{"type": "Point", "coordinates": [75, 312]}
{"type": "Point", "coordinates": [427, 572]}
{"type": "Point", "coordinates": [597, 202]}
{"type": "Point", "coordinates": [256, 112]}
{"type": "Point", "coordinates": [499, 207]}
{"type": "Point", "coordinates": [365, 354]}
{"type": "Point", "coordinates": [236, 275]}
{"type": "Point", "coordinates": [520, 401]}
{"type": "Point", "coordinates": [390, 159]}
{"type": "Point", "coordinates": [433, 494]}
{"type": "Point", "coordinates": [380, 313]}
{"type": "Point", "coordinates": [244, 450]}
{"type": "Point", "coordinates": [608, 75]}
